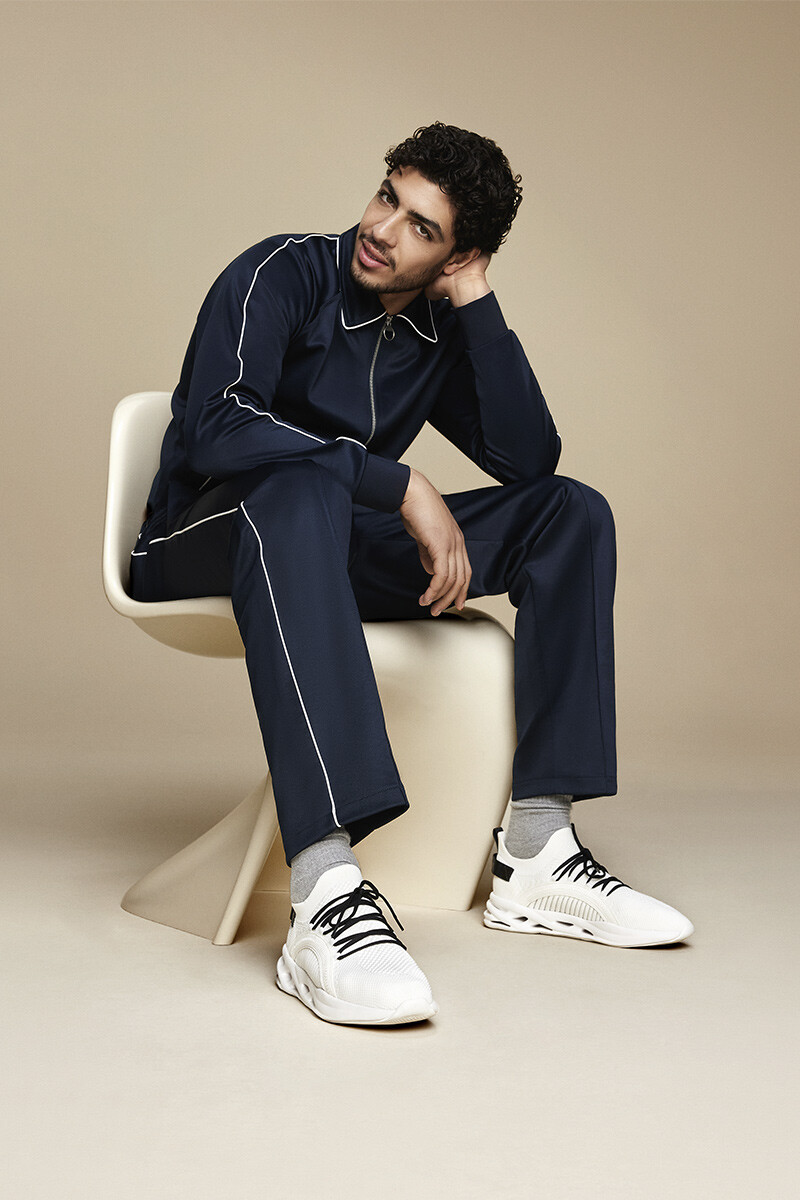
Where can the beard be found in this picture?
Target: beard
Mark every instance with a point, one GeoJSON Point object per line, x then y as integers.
{"type": "Point", "coordinates": [412, 281]}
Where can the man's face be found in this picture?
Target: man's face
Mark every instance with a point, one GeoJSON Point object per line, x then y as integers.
{"type": "Point", "coordinates": [405, 237]}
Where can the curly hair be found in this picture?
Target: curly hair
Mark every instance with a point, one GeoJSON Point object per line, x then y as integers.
{"type": "Point", "coordinates": [473, 172]}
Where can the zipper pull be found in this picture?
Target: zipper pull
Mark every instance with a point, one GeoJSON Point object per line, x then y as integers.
{"type": "Point", "coordinates": [387, 331]}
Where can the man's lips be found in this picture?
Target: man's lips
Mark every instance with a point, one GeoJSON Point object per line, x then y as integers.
{"type": "Point", "coordinates": [369, 257]}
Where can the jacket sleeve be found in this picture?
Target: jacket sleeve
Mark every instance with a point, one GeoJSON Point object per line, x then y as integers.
{"type": "Point", "coordinates": [491, 406]}
{"type": "Point", "coordinates": [230, 423]}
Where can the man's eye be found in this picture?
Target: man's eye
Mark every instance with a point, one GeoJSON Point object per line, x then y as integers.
{"type": "Point", "coordinates": [385, 196]}
{"type": "Point", "coordinates": [424, 231]}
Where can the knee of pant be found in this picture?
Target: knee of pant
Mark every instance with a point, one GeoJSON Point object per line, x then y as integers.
{"type": "Point", "coordinates": [293, 496]}
{"type": "Point", "coordinates": [588, 504]}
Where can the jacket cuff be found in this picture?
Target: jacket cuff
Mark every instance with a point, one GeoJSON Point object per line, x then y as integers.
{"type": "Point", "coordinates": [383, 483]}
{"type": "Point", "coordinates": [481, 321]}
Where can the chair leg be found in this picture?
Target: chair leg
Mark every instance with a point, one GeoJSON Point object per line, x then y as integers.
{"type": "Point", "coordinates": [204, 888]}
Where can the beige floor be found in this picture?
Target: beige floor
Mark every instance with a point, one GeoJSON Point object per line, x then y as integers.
{"type": "Point", "coordinates": [143, 1062]}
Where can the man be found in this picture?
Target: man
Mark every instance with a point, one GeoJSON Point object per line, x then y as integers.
{"type": "Point", "coordinates": [315, 361]}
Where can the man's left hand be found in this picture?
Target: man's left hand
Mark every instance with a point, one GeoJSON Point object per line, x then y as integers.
{"type": "Point", "coordinates": [461, 284]}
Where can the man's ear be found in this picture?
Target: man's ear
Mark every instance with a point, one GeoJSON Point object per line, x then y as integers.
{"type": "Point", "coordinates": [461, 260]}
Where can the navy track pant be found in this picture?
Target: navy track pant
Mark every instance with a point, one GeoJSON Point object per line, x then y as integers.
{"type": "Point", "coordinates": [304, 566]}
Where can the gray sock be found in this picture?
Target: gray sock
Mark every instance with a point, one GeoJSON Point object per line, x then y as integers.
{"type": "Point", "coordinates": [309, 864]}
{"type": "Point", "coordinates": [533, 821]}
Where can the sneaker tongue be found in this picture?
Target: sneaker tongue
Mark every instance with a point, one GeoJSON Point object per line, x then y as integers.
{"type": "Point", "coordinates": [336, 881]}
{"type": "Point", "coordinates": [561, 845]}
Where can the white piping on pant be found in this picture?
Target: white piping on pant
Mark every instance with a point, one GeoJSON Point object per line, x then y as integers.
{"type": "Point", "coordinates": [291, 668]}
{"type": "Point", "coordinates": [169, 536]}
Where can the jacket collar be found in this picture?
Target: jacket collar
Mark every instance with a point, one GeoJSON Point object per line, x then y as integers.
{"type": "Point", "coordinates": [361, 307]}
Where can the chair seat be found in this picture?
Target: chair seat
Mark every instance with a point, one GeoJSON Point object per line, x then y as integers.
{"type": "Point", "coordinates": [204, 626]}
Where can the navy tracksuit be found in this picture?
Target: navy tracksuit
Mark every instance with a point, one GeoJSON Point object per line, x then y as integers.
{"type": "Point", "coordinates": [279, 486]}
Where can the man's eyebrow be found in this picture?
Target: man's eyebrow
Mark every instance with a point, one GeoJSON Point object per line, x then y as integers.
{"type": "Point", "coordinates": [423, 220]}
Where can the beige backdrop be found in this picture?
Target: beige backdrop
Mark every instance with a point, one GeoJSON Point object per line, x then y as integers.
{"type": "Point", "coordinates": [651, 275]}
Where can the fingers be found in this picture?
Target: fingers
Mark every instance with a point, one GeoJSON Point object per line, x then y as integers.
{"type": "Point", "coordinates": [441, 545]}
{"type": "Point", "coordinates": [451, 579]}
{"type": "Point", "coordinates": [457, 583]}
{"type": "Point", "coordinates": [464, 575]}
{"type": "Point", "coordinates": [461, 598]}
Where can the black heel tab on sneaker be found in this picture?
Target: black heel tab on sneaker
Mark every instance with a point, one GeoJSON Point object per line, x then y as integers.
{"type": "Point", "coordinates": [495, 833]}
{"type": "Point", "coordinates": [501, 869]}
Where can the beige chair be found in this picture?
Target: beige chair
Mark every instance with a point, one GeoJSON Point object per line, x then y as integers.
{"type": "Point", "coordinates": [447, 691]}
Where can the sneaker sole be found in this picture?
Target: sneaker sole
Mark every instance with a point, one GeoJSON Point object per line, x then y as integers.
{"type": "Point", "coordinates": [293, 980]}
{"type": "Point", "coordinates": [515, 918]}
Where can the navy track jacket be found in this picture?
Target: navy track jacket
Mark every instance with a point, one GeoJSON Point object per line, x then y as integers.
{"type": "Point", "coordinates": [291, 359]}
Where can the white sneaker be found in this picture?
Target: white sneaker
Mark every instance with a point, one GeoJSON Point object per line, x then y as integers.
{"type": "Point", "coordinates": [564, 891]}
{"type": "Point", "coordinates": [345, 962]}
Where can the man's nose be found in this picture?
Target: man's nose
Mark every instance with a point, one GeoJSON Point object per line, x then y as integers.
{"type": "Point", "coordinates": [386, 230]}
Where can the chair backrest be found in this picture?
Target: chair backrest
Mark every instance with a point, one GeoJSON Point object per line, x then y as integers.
{"type": "Point", "coordinates": [137, 430]}
{"type": "Point", "coordinates": [200, 626]}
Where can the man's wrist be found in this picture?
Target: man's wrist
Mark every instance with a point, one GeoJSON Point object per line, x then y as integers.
{"type": "Point", "coordinates": [410, 487]}
{"type": "Point", "coordinates": [466, 290]}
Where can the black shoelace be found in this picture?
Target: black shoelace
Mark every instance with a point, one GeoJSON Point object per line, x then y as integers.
{"type": "Point", "coordinates": [342, 913]}
{"type": "Point", "coordinates": [583, 866]}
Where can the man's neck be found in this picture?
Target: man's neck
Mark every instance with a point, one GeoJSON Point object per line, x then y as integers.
{"type": "Point", "coordinates": [395, 302]}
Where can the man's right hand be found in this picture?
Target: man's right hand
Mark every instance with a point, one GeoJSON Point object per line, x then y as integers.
{"type": "Point", "coordinates": [442, 550]}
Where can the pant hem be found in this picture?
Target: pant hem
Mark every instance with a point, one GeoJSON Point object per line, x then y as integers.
{"type": "Point", "coordinates": [382, 807]}
{"type": "Point", "coordinates": [580, 787]}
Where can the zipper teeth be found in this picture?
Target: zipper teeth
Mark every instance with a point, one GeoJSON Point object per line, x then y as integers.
{"type": "Point", "coordinates": [386, 324]}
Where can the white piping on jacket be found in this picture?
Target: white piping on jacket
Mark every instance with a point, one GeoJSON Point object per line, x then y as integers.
{"type": "Point", "coordinates": [435, 337]}
{"type": "Point", "coordinates": [382, 317]}
{"type": "Point", "coordinates": [227, 394]}
{"type": "Point", "coordinates": [371, 321]}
